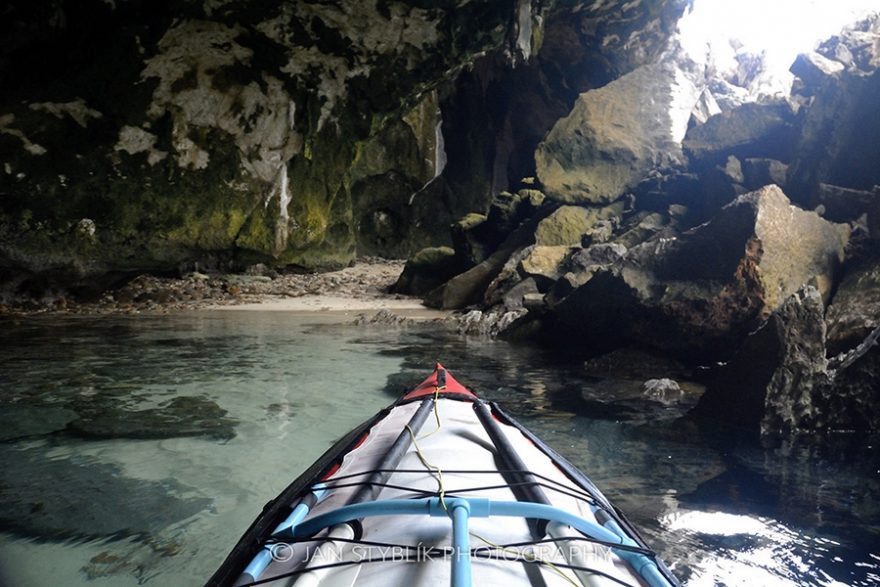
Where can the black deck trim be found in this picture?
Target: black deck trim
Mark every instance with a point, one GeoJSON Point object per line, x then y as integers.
{"type": "Point", "coordinates": [580, 478]}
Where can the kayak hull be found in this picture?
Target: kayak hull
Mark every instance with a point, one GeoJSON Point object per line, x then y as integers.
{"type": "Point", "coordinates": [531, 516]}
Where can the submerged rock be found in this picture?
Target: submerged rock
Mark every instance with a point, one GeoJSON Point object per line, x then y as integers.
{"type": "Point", "coordinates": [663, 390]}
{"type": "Point", "coordinates": [20, 420]}
{"type": "Point", "coordinates": [182, 416]}
{"type": "Point", "coordinates": [710, 286]}
{"type": "Point", "coordinates": [59, 499]}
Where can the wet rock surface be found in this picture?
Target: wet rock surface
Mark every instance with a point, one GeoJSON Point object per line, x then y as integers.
{"type": "Point", "coordinates": [781, 381]}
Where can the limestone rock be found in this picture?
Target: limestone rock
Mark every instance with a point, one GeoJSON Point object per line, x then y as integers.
{"type": "Point", "coordinates": [705, 108]}
{"type": "Point", "coordinates": [508, 211]}
{"type": "Point", "coordinates": [815, 69]}
{"type": "Point", "coordinates": [852, 400]}
{"type": "Point", "coordinates": [544, 263]}
{"type": "Point", "coordinates": [772, 380]}
{"type": "Point", "coordinates": [751, 130]}
{"type": "Point", "coordinates": [648, 225]}
{"type": "Point", "coordinates": [615, 135]}
{"type": "Point", "coordinates": [855, 309]}
{"type": "Point", "coordinates": [261, 133]}
{"type": "Point", "coordinates": [182, 416]}
{"type": "Point", "coordinates": [781, 382]}
{"type": "Point", "coordinates": [663, 390]}
{"type": "Point", "coordinates": [843, 204]}
{"type": "Point", "coordinates": [466, 239]}
{"type": "Point", "coordinates": [569, 224]}
{"type": "Point", "coordinates": [426, 270]}
{"type": "Point", "coordinates": [857, 46]}
{"type": "Point", "coordinates": [758, 172]}
{"type": "Point", "coordinates": [580, 267]}
{"type": "Point", "coordinates": [518, 294]}
{"type": "Point", "coordinates": [507, 279]}
{"type": "Point", "coordinates": [710, 286]}
{"type": "Point", "coordinates": [467, 288]}
{"type": "Point", "coordinates": [838, 142]}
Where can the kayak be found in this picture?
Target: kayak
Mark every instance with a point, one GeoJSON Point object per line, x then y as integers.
{"type": "Point", "coordinates": [441, 488]}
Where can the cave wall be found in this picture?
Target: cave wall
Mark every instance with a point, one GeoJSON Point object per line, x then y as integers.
{"type": "Point", "coordinates": [166, 135]}
{"type": "Point", "coordinates": [143, 136]}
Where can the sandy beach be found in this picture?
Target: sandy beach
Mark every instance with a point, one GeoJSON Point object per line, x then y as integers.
{"type": "Point", "coordinates": [360, 290]}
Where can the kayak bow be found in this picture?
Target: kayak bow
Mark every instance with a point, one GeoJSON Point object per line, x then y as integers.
{"type": "Point", "coordinates": [477, 500]}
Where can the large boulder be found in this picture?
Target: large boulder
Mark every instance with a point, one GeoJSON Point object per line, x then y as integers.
{"type": "Point", "coordinates": [544, 263]}
{"type": "Point", "coordinates": [838, 144]}
{"type": "Point", "coordinates": [852, 400]}
{"type": "Point", "coordinates": [780, 382]}
{"type": "Point", "coordinates": [582, 265]}
{"type": "Point", "coordinates": [426, 270]}
{"type": "Point", "coordinates": [759, 171]}
{"type": "Point", "coordinates": [476, 236]}
{"type": "Point", "coordinates": [709, 287]}
{"type": "Point", "coordinates": [616, 134]}
{"type": "Point", "coordinates": [751, 130]}
{"type": "Point", "coordinates": [814, 69]}
{"type": "Point", "coordinates": [568, 225]}
{"type": "Point", "coordinates": [770, 382]}
{"type": "Point", "coordinates": [471, 286]}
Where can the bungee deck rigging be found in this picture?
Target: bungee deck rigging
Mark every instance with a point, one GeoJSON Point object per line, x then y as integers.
{"type": "Point", "coordinates": [479, 500]}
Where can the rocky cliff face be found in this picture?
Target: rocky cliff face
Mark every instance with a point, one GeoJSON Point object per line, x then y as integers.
{"type": "Point", "coordinates": [694, 229]}
{"type": "Point", "coordinates": [146, 137]}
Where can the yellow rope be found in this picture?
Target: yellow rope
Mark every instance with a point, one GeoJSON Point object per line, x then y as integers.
{"type": "Point", "coordinates": [441, 492]}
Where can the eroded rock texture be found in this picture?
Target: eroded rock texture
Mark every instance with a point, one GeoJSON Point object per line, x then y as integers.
{"type": "Point", "coordinates": [706, 288]}
{"type": "Point", "coordinates": [781, 381]}
{"type": "Point", "coordinates": [294, 133]}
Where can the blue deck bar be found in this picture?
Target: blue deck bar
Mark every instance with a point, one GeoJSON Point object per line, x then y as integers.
{"type": "Point", "coordinates": [461, 509]}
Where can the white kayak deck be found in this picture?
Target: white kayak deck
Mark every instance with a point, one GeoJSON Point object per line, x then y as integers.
{"type": "Point", "coordinates": [460, 443]}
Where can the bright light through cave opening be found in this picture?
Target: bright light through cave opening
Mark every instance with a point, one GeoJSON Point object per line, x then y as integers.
{"type": "Point", "coordinates": [716, 32]}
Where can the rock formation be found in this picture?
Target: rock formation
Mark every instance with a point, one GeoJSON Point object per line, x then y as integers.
{"type": "Point", "coordinates": [294, 134]}
{"type": "Point", "coordinates": [781, 381]}
{"type": "Point", "coordinates": [704, 289]}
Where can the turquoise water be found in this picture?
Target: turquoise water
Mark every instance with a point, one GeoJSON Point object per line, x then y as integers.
{"type": "Point", "coordinates": [136, 450]}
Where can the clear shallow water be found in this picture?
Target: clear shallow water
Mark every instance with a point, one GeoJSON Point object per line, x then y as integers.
{"type": "Point", "coordinates": [115, 471]}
